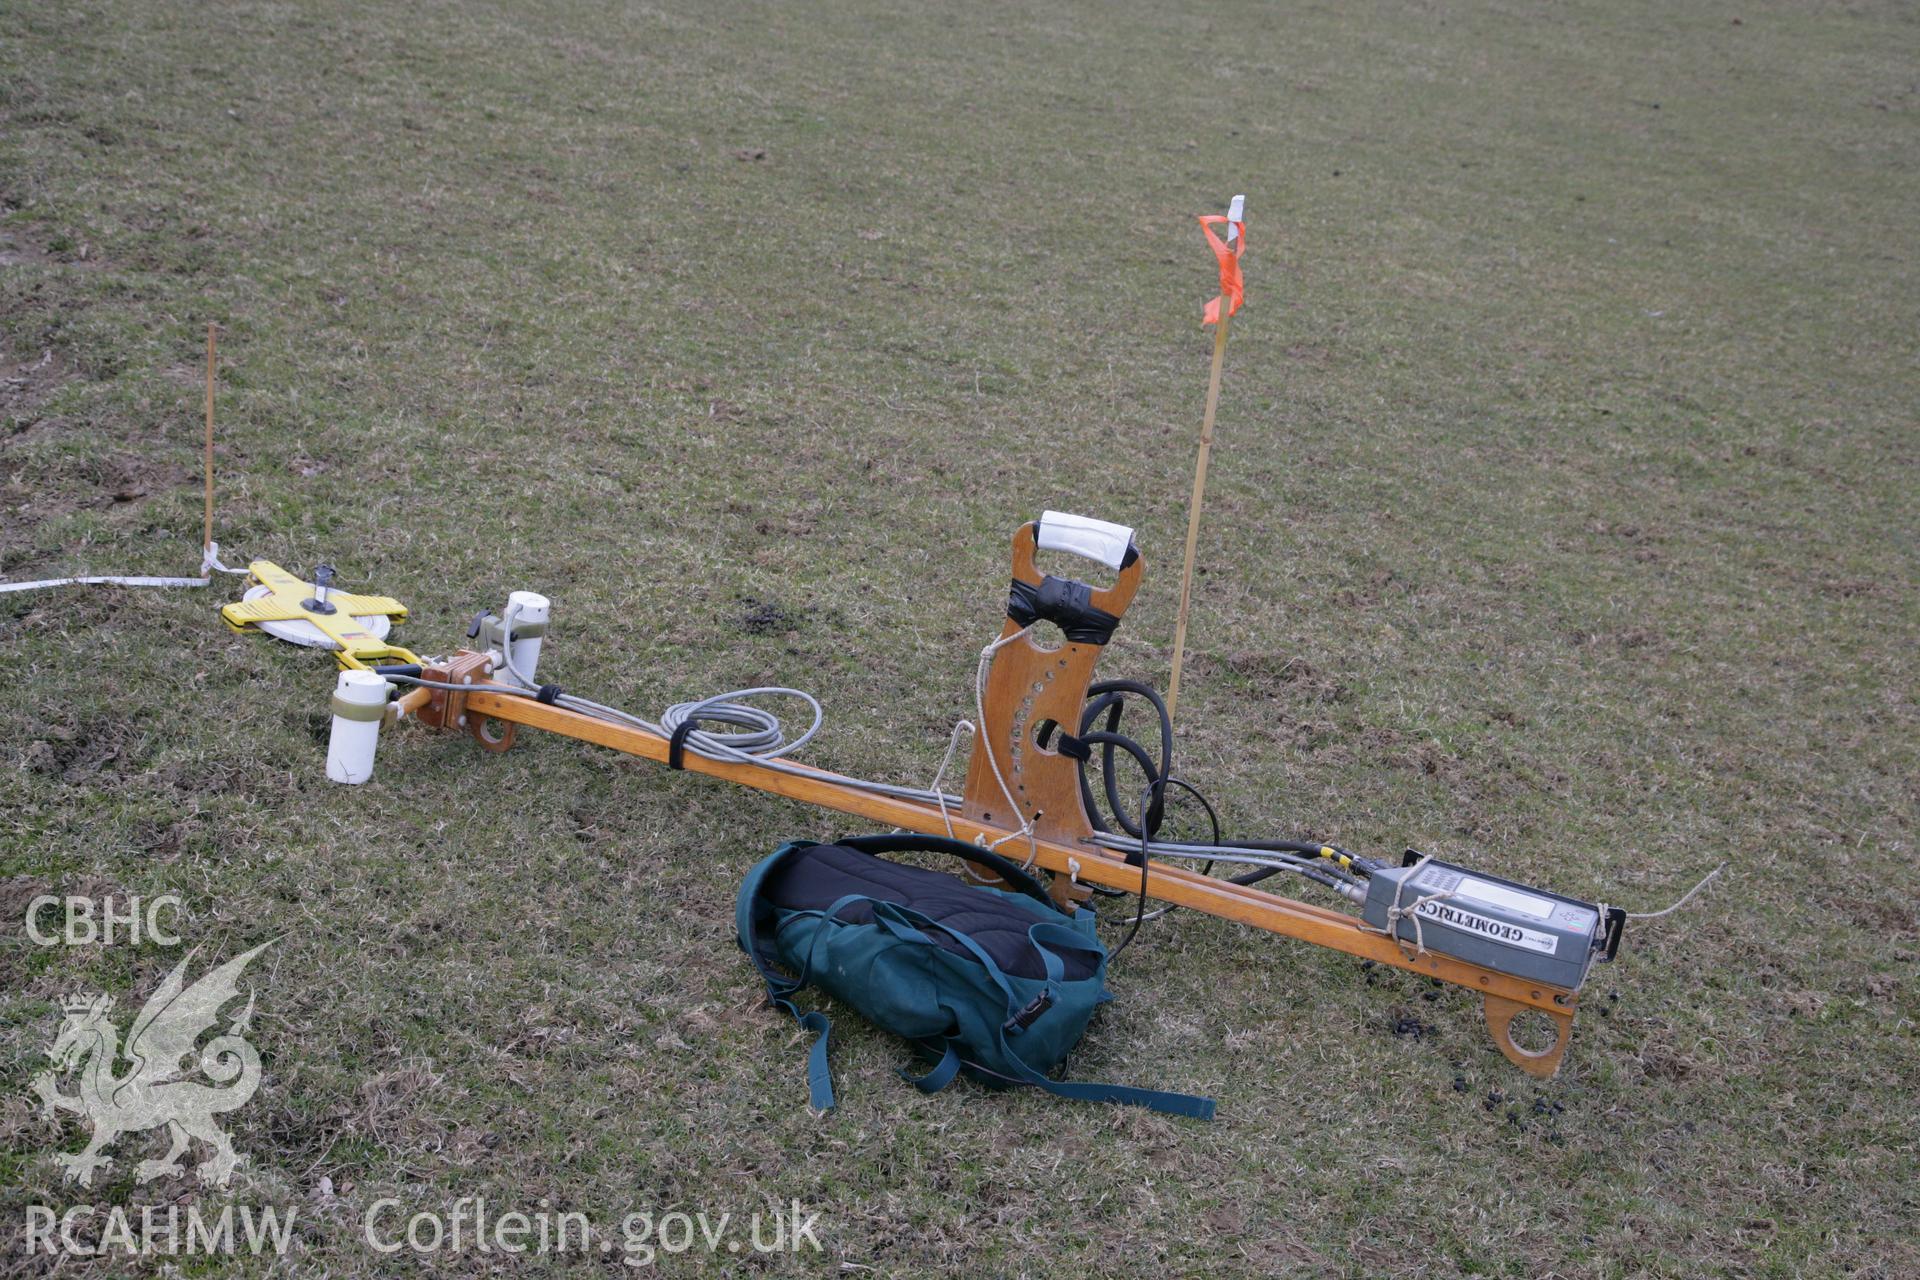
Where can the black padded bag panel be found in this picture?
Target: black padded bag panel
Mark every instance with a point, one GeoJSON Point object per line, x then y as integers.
{"type": "Point", "coordinates": [815, 878]}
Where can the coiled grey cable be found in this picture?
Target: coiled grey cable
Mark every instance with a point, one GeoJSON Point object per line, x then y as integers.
{"type": "Point", "coordinates": [760, 733]}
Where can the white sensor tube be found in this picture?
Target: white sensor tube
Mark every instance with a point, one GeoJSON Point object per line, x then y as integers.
{"type": "Point", "coordinates": [359, 704]}
{"type": "Point", "coordinates": [529, 630]}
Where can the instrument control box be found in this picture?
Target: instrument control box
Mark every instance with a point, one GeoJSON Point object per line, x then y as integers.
{"type": "Point", "coordinates": [1521, 931]}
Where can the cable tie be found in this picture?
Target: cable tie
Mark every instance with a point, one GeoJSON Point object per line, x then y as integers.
{"type": "Point", "coordinates": [677, 744]}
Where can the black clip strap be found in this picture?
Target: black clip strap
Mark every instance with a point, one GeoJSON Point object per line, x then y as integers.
{"type": "Point", "coordinates": [1616, 928]}
{"type": "Point", "coordinates": [1053, 736]}
{"type": "Point", "coordinates": [677, 744]}
{"type": "Point", "coordinates": [1025, 1018]}
{"type": "Point", "coordinates": [549, 694]}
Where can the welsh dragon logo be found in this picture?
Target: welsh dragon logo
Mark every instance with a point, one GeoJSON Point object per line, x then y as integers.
{"type": "Point", "coordinates": [156, 1089]}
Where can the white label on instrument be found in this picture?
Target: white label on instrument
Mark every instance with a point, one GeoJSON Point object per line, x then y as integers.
{"type": "Point", "coordinates": [1499, 895]}
{"type": "Point", "coordinates": [1480, 926]}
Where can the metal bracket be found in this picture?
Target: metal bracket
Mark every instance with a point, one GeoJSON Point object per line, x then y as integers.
{"type": "Point", "coordinates": [448, 709]}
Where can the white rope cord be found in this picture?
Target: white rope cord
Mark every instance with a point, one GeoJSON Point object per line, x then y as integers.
{"type": "Point", "coordinates": [940, 797]}
{"type": "Point", "coordinates": [980, 708]}
{"type": "Point", "coordinates": [1684, 899]}
{"type": "Point", "coordinates": [1396, 912]}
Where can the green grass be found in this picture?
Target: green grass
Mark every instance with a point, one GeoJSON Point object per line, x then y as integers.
{"type": "Point", "coordinates": [1562, 520]}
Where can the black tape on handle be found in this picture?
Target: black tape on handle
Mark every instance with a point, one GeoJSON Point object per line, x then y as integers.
{"type": "Point", "coordinates": [1064, 602]}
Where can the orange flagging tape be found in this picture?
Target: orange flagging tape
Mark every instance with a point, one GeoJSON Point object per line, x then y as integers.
{"type": "Point", "coordinates": [1232, 287]}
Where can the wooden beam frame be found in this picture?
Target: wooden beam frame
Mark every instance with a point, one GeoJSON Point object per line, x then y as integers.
{"type": "Point", "coordinates": [1032, 685]}
{"type": "Point", "coordinates": [1504, 996]}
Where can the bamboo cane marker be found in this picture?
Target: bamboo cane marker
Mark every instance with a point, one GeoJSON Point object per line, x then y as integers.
{"type": "Point", "coordinates": [206, 540]}
{"type": "Point", "coordinates": [1234, 212]}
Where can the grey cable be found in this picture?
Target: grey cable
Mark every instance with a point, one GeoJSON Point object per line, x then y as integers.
{"type": "Point", "coordinates": [761, 742]}
{"type": "Point", "coordinates": [1229, 853]}
{"type": "Point", "coordinates": [759, 738]}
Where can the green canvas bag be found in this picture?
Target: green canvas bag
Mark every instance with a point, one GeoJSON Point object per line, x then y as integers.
{"type": "Point", "coordinates": [996, 984]}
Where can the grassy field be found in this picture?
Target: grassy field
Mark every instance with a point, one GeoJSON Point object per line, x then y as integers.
{"type": "Point", "coordinates": [1562, 520]}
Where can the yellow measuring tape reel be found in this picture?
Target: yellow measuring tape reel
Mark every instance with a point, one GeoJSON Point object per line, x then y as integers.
{"type": "Point", "coordinates": [315, 615]}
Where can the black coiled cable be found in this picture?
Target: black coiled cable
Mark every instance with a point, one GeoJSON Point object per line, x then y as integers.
{"type": "Point", "coordinates": [1107, 699]}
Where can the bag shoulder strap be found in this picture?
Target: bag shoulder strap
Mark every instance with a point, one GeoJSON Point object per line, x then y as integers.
{"type": "Point", "coordinates": [1174, 1104]}
{"type": "Point", "coordinates": [1016, 876]}
{"type": "Point", "coordinates": [779, 986]}
{"type": "Point", "coordinates": [1161, 1100]}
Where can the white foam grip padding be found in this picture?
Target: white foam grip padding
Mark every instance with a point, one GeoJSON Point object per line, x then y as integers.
{"type": "Point", "coordinates": [1084, 536]}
